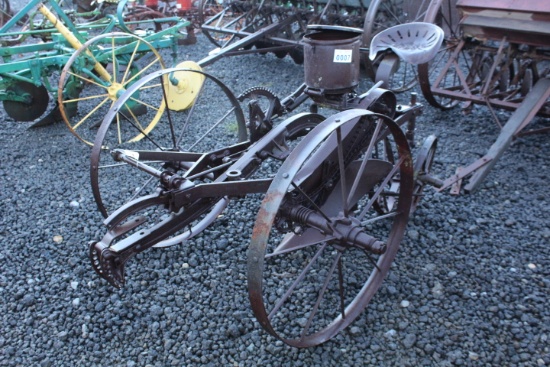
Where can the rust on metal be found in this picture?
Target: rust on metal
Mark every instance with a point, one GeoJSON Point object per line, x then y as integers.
{"type": "Point", "coordinates": [496, 54]}
{"type": "Point", "coordinates": [336, 208]}
{"type": "Point", "coordinates": [526, 22]}
{"type": "Point", "coordinates": [331, 56]}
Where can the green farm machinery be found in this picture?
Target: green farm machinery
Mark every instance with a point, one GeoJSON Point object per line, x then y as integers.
{"type": "Point", "coordinates": [83, 60]}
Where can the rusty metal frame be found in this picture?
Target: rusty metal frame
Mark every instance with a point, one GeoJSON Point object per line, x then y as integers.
{"type": "Point", "coordinates": [499, 37]}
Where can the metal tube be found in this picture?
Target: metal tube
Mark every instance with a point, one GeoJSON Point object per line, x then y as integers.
{"type": "Point", "coordinates": [71, 38]}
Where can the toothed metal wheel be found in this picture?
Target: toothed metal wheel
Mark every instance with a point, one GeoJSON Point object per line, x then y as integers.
{"type": "Point", "coordinates": [262, 106]}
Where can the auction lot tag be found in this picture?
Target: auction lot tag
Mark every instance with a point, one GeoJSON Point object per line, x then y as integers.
{"type": "Point", "coordinates": [342, 56]}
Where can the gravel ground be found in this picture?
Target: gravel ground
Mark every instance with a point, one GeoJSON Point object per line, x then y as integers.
{"type": "Point", "coordinates": [469, 287]}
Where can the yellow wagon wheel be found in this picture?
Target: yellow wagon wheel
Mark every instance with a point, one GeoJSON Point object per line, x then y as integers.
{"type": "Point", "coordinates": [97, 74]}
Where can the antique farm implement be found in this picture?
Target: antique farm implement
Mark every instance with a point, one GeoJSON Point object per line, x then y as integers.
{"type": "Point", "coordinates": [48, 50]}
{"type": "Point", "coordinates": [338, 190]}
{"type": "Point", "coordinates": [243, 26]}
{"type": "Point", "coordinates": [496, 53]}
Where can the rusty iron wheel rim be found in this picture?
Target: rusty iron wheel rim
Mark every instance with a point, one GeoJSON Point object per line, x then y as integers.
{"type": "Point", "coordinates": [101, 160]}
{"type": "Point", "coordinates": [257, 264]}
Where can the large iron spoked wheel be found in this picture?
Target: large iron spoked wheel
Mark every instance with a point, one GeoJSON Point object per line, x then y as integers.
{"type": "Point", "coordinates": [319, 249]}
{"type": "Point", "coordinates": [383, 14]}
{"type": "Point", "coordinates": [202, 116]}
{"type": "Point", "coordinates": [451, 74]}
{"type": "Point", "coordinates": [97, 74]}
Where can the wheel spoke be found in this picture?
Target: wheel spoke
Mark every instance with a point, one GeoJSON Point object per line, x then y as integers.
{"type": "Point", "coordinates": [313, 312]}
{"type": "Point", "coordinates": [215, 125]}
{"type": "Point", "coordinates": [87, 98]}
{"type": "Point", "coordinates": [342, 168]}
{"type": "Point", "coordinates": [297, 281]}
{"type": "Point", "coordinates": [113, 75]}
{"type": "Point", "coordinates": [368, 154]}
{"type": "Point", "coordinates": [114, 60]}
{"type": "Point", "coordinates": [132, 57]}
{"type": "Point", "coordinates": [380, 188]}
{"type": "Point", "coordinates": [341, 287]}
{"type": "Point", "coordinates": [293, 242]}
{"type": "Point", "coordinates": [91, 113]}
{"type": "Point", "coordinates": [184, 129]}
{"type": "Point", "coordinates": [145, 104]}
{"type": "Point", "coordinates": [90, 81]}
{"type": "Point", "coordinates": [310, 201]}
{"type": "Point", "coordinates": [141, 71]}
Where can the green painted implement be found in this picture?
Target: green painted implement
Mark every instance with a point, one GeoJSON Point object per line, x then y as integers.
{"type": "Point", "coordinates": [83, 60]}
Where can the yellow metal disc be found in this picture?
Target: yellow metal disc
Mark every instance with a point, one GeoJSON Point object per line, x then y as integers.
{"type": "Point", "coordinates": [183, 86]}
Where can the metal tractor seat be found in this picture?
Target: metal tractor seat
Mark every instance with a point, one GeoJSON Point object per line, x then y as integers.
{"type": "Point", "coordinates": [415, 43]}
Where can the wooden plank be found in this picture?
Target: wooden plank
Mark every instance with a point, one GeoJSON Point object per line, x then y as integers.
{"type": "Point", "coordinates": [526, 111]}
{"type": "Point", "coordinates": [530, 6]}
{"type": "Point", "coordinates": [530, 32]}
{"type": "Point", "coordinates": [532, 27]}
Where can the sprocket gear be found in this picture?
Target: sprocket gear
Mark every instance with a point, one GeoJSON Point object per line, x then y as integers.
{"type": "Point", "coordinates": [263, 107]}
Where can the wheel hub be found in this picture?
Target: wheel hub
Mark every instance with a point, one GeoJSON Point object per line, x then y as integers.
{"type": "Point", "coordinates": [115, 90]}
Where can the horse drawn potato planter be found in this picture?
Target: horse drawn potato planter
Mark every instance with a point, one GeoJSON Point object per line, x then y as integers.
{"type": "Point", "coordinates": [83, 64]}
{"type": "Point", "coordinates": [338, 190]}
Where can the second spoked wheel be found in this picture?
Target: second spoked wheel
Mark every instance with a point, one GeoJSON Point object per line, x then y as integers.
{"type": "Point", "coordinates": [224, 15]}
{"type": "Point", "coordinates": [201, 116]}
{"type": "Point", "coordinates": [319, 249]}
{"type": "Point", "coordinates": [95, 77]}
{"type": "Point", "coordinates": [451, 74]}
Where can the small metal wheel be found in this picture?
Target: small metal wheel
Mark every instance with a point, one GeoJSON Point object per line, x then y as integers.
{"type": "Point", "coordinates": [142, 20]}
{"type": "Point", "coordinates": [261, 106]}
{"type": "Point", "coordinates": [202, 115]}
{"type": "Point", "coordinates": [138, 19]}
{"type": "Point", "coordinates": [97, 74]}
{"type": "Point", "coordinates": [226, 22]}
{"type": "Point", "coordinates": [33, 107]}
{"type": "Point", "coordinates": [224, 15]}
{"type": "Point", "coordinates": [423, 167]}
{"type": "Point", "coordinates": [383, 14]}
{"type": "Point", "coordinates": [452, 70]}
{"type": "Point", "coordinates": [319, 250]}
